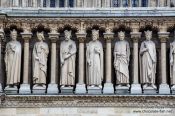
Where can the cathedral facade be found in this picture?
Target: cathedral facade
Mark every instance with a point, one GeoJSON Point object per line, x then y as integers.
{"type": "Point", "coordinates": [117, 54]}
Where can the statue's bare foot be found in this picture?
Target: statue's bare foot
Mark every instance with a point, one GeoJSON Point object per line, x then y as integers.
{"type": "Point", "coordinates": [153, 86]}
{"type": "Point", "coordinates": [145, 86]}
{"type": "Point", "coordinates": [128, 85]}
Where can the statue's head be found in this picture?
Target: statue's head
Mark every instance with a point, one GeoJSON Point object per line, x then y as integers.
{"type": "Point", "coordinates": [40, 36]}
{"type": "Point", "coordinates": [13, 34]}
{"type": "Point", "coordinates": [95, 34]}
{"type": "Point", "coordinates": [121, 35]}
{"type": "Point", "coordinates": [148, 35]}
{"type": "Point", "coordinates": [67, 34]}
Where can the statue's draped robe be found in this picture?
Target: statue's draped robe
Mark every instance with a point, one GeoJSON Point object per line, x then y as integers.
{"type": "Point", "coordinates": [67, 57]}
{"type": "Point", "coordinates": [41, 51]}
{"type": "Point", "coordinates": [148, 61]}
{"type": "Point", "coordinates": [13, 62]}
{"type": "Point", "coordinates": [94, 55]}
{"type": "Point", "coordinates": [121, 61]}
{"type": "Point", "coordinates": [172, 63]}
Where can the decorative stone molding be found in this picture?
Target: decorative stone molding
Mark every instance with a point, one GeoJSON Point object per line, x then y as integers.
{"type": "Point", "coordinates": [163, 36]}
{"type": "Point", "coordinates": [134, 101]}
{"type": "Point", "coordinates": [135, 36]}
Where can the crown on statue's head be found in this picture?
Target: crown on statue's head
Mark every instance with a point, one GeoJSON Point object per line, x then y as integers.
{"type": "Point", "coordinates": [40, 32]}
{"type": "Point", "coordinates": [96, 32]}
{"type": "Point", "coordinates": [67, 31]}
{"type": "Point", "coordinates": [13, 31]}
{"type": "Point", "coordinates": [148, 32]}
{"type": "Point", "coordinates": [121, 33]}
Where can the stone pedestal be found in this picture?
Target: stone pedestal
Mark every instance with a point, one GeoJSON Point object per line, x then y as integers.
{"type": "Point", "coordinates": [108, 88]}
{"type": "Point", "coordinates": [136, 89]}
{"type": "Point", "coordinates": [122, 90]}
{"type": "Point", "coordinates": [80, 89]}
{"type": "Point", "coordinates": [67, 90]}
{"type": "Point", "coordinates": [24, 89]}
{"type": "Point", "coordinates": [94, 90]}
{"type": "Point", "coordinates": [11, 90]}
{"type": "Point", "coordinates": [39, 90]}
{"type": "Point", "coordinates": [1, 88]}
{"type": "Point", "coordinates": [173, 89]}
{"type": "Point", "coordinates": [149, 90]}
{"type": "Point", "coordinates": [164, 89]}
{"type": "Point", "coordinates": [52, 89]}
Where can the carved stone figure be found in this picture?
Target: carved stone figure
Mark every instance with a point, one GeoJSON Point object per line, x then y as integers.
{"type": "Point", "coordinates": [148, 61]}
{"type": "Point", "coordinates": [40, 54]}
{"type": "Point", "coordinates": [94, 60]}
{"type": "Point", "coordinates": [67, 56]}
{"type": "Point", "coordinates": [13, 61]}
{"type": "Point", "coordinates": [121, 60]}
{"type": "Point", "coordinates": [172, 64]}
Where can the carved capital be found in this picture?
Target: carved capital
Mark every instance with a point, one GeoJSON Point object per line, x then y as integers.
{"type": "Point", "coordinates": [163, 36]}
{"type": "Point", "coordinates": [53, 37]}
{"type": "Point", "coordinates": [135, 36]}
{"type": "Point", "coordinates": [135, 27]}
{"type": "Point", "coordinates": [26, 36]}
{"type": "Point", "coordinates": [81, 37]}
{"type": "Point", "coordinates": [26, 27]}
{"type": "Point", "coordinates": [53, 28]}
{"type": "Point", "coordinates": [108, 36]}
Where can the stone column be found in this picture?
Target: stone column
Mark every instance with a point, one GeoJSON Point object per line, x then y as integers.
{"type": "Point", "coordinates": [163, 87]}
{"type": "Point", "coordinates": [34, 3]}
{"type": "Point", "coordinates": [47, 3]}
{"type": "Point", "coordinates": [53, 86]}
{"type": "Point", "coordinates": [135, 86]}
{"type": "Point", "coordinates": [66, 4]}
{"type": "Point", "coordinates": [25, 86]}
{"type": "Point", "coordinates": [41, 3]}
{"type": "Point", "coordinates": [140, 3]}
{"type": "Point", "coordinates": [24, 3]}
{"type": "Point", "coordinates": [57, 4]}
{"type": "Point", "coordinates": [1, 37]}
{"type": "Point", "coordinates": [80, 86]}
{"type": "Point", "coordinates": [108, 86]}
{"type": "Point", "coordinates": [120, 3]}
{"type": "Point", "coordinates": [79, 3]}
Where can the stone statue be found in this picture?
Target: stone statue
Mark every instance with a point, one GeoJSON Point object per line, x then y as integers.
{"type": "Point", "coordinates": [94, 60]}
{"type": "Point", "coordinates": [13, 61]}
{"type": "Point", "coordinates": [148, 61]}
{"type": "Point", "coordinates": [172, 64]}
{"type": "Point", "coordinates": [121, 60]}
{"type": "Point", "coordinates": [40, 54]}
{"type": "Point", "coordinates": [67, 56]}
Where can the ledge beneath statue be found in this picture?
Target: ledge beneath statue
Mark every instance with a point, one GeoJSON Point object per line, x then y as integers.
{"type": "Point", "coordinates": [135, 101]}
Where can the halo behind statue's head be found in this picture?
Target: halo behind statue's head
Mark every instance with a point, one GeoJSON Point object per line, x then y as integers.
{"type": "Point", "coordinates": [95, 32]}
{"type": "Point", "coordinates": [41, 34]}
{"type": "Point", "coordinates": [121, 33]}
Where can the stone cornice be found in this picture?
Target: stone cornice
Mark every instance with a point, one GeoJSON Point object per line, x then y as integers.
{"type": "Point", "coordinates": [135, 101]}
{"type": "Point", "coordinates": [89, 12]}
